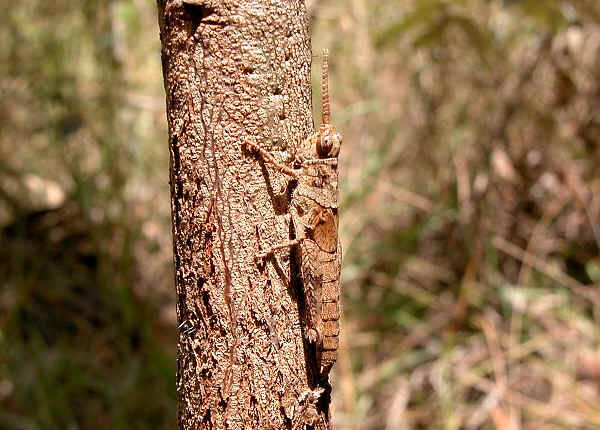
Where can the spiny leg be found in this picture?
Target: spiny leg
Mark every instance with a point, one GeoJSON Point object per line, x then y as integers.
{"type": "Point", "coordinates": [311, 279]}
{"type": "Point", "coordinates": [316, 161]}
{"type": "Point", "coordinates": [300, 236]}
{"type": "Point", "coordinates": [264, 254]}
{"type": "Point", "coordinates": [310, 283]}
{"type": "Point", "coordinates": [280, 167]}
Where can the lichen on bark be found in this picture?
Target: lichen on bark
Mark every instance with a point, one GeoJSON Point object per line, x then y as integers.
{"type": "Point", "coordinates": [235, 70]}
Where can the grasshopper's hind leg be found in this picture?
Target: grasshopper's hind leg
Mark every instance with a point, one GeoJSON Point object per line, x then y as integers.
{"type": "Point", "coordinates": [300, 236]}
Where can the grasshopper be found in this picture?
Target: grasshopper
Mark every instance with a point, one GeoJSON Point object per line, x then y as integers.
{"type": "Point", "coordinates": [314, 214]}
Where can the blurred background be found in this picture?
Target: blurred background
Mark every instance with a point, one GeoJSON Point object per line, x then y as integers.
{"type": "Point", "coordinates": [470, 214]}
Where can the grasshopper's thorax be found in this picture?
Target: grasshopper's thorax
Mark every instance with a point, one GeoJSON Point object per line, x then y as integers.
{"type": "Point", "coordinates": [319, 179]}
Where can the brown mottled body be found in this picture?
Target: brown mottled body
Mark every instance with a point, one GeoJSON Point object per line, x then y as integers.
{"type": "Point", "coordinates": [314, 212]}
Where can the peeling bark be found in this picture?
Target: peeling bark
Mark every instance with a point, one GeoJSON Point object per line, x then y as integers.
{"type": "Point", "coordinates": [237, 70]}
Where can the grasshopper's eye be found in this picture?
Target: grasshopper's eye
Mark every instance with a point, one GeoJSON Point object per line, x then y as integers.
{"type": "Point", "coordinates": [334, 145]}
{"type": "Point", "coordinates": [324, 145]}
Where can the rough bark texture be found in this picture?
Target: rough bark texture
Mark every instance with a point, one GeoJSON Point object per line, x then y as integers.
{"type": "Point", "coordinates": [235, 70]}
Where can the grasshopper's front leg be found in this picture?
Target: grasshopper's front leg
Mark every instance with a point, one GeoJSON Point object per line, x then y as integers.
{"type": "Point", "coordinates": [280, 167]}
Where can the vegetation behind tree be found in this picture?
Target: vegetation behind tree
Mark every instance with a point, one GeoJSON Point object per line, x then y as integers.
{"type": "Point", "coordinates": [470, 214]}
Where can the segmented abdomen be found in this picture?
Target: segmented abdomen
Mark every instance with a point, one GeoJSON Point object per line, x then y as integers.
{"type": "Point", "coordinates": [330, 266]}
{"type": "Point", "coordinates": [330, 313]}
{"type": "Point", "coordinates": [320, 277]}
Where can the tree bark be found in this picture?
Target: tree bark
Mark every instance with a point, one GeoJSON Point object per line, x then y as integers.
{"type": "Point", "coordinates": [236, 70]}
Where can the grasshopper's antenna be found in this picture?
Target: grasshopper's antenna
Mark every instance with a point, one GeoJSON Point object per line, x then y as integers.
{"type": "Point", "coordinates": [325, 109]}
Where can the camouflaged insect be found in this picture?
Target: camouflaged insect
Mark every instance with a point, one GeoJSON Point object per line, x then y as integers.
{"type": "Point", "coordinates": [314, 213]}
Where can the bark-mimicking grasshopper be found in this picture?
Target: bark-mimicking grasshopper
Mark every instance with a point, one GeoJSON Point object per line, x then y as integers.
{"type": "Point", "coordinates": [314, 212]}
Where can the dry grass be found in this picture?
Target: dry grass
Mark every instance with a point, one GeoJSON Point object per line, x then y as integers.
{"type": "Point", "coordinates": [471, 282]}
{"type": "Point", "coordinates": [470, 217]}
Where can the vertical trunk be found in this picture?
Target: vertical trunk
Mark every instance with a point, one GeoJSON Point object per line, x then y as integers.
{"type": "Point", "coordinates": [235, 70]}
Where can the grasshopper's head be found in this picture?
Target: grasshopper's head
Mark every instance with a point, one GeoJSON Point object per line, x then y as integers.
{"type": "Point", "coordinates": [329, 143]}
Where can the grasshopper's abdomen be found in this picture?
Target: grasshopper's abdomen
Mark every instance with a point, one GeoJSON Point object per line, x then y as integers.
{"type": "Point", "coordinates": [330, 309]}
{"type": "Point", "coordinates": [330, 314]}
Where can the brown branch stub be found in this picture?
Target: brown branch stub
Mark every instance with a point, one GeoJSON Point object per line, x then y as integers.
{"type": "Point", "coordinates": [236, 71]}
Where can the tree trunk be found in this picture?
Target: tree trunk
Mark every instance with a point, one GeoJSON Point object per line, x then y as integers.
{"type": "Point", "coordinates": [235, 70]}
